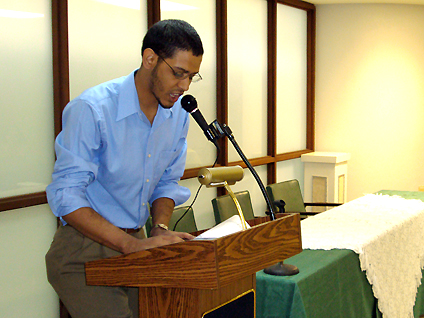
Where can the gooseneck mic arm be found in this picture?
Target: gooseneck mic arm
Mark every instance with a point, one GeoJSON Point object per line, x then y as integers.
{"type": "Point", "coordinates": [227, 132]}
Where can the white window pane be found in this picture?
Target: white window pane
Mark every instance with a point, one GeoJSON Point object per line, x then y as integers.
{"type": "Point", "coordinates": [201, 15]}
{"type": "Point", "coordinates": [289, 170]}
{"type": "Point", "coordinates": [105, 40]}
{"type": "Point", "coordinates": [291, 78]}
{"type": "Point", "coordinates": [247, 76]}
{"type": "Point", "coordinates": [26, 96]}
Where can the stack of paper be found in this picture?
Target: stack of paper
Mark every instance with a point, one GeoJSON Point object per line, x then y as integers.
{"type": "Point", "coordinates": [229, 226]}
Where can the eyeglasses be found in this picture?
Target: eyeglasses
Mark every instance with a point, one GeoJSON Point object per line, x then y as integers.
{"type": "Point", "coordinates": [183, 75]}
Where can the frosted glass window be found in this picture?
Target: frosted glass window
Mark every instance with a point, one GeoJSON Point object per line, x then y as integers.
{"type": "Point", "coordinates": [247, 76]}
{"type": "Point", "coordinates": [289, 170]}
{"type": "Point", "coordinates": [105, 40]}
{"type": "Point", "coordinates": [26, 97]}
{"type": "Point", "coordinates": [249, 183]}
{"type": "Point", "coordinates": [201, 15]}
{"type": "Point", "coordinates": [291, 78]}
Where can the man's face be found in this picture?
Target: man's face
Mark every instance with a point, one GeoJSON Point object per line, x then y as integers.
{"type": "Point", "coordinates": [165, 86]}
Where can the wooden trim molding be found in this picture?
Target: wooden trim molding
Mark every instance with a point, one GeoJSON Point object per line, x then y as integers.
{"type": "Point", "coordinates": [60, 60]}
{"type": "Point", "coordinates": [254, 162]}
{"type": "Point", "coordinates": [298, 4]}
{"type": "Point", "coordinates": [153, 12]}
{"type": "Point", "coordinates": [311, 47]}
{"type": "Point", "coordinates": [272, 89]}
{"type": "Point", "coordinates": [222, 79]}
{"type": "Point", "coordinates": [22, 201]}
{"type": "Point", "coordinates": [291, 155]}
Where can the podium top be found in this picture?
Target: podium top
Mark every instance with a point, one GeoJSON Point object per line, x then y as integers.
{"type": "Point", "coordinates": [325, 157]}
{"type": "Point", "coordinates": [202, 264]}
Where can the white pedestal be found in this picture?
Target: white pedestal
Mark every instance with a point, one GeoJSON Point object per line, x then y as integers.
{"type": "Point", "coordinates": [325, 177]}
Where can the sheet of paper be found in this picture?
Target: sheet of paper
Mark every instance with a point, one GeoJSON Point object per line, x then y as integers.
{"type": "Point", "coordinates": [229, 226]}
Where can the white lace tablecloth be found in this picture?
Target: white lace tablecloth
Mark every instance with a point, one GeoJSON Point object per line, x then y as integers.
{"type": "Point", "coordinates": [388, 234]}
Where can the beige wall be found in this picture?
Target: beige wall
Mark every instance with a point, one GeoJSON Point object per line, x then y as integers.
{"type": "Point", "coordinates": [25, 236]}
{"type": "Point", "coordinates": [370, 93]}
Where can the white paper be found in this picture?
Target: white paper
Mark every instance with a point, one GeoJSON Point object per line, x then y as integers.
{"type": "Point", "coordinates": [229, 226]}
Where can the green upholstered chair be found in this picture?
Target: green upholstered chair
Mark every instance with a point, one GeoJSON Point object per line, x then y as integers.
{"type": "Point", "coordinates": [224, 206]}
{"type": "Point", "coordinates": [289, 192]}
{"type": "Point", "coordinates": [187, 223]}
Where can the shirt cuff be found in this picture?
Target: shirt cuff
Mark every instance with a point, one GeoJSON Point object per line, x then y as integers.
{"type": "Point", "coordinates": [68, 200]}
{"type": "Point", "coordinates": [175, 192]}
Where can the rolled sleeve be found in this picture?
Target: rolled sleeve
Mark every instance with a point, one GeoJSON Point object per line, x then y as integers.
{"type": "Point", "coordinates": [67, 193]}
{"type": "Point", "coordinates": [173, 191]}
{"type": "Point", "coordinates": [75, 168]}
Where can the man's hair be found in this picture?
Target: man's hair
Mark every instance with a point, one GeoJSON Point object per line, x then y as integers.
{"type": "Point", "coordinates": [167, 36]}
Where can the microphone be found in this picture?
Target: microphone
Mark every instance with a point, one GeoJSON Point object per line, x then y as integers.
{"type": "Point", "coordinates": [189, 103]}
{"type": "Point", "coordinates": [211, 176]}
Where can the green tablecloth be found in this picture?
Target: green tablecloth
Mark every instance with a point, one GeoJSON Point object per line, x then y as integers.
{"type": "Point", "coordinates": [330, 285]}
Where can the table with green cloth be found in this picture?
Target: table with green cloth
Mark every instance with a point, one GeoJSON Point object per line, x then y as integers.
{"type": "Point", "coordinates": [330, 284]}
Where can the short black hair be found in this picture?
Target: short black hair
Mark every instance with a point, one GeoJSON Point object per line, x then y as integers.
{"type": "Point", "coordinates": [167, 36]}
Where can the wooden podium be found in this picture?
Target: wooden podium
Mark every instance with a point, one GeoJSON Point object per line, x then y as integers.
{"type": "Point", "coordinates": [192, 279]}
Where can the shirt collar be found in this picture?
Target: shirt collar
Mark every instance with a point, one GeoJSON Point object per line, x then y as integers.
{"type": "Point", "coordinates": [128, 103]}
{"type": "Point", "coordinates": [127, 99]}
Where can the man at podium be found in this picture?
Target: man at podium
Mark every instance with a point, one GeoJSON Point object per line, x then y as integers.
{"type": "Point", "coordinates": [122, 148]}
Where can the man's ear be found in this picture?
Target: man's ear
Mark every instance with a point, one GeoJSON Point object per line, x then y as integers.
{"type": "Point", "coordinates": [149, 59]}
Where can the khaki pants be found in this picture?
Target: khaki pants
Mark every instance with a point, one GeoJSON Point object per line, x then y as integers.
{"type": "Point", "coordinates": [65, 260]}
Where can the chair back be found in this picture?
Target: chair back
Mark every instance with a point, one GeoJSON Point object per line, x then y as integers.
{"type": "Point", "coordinates": [224, 206]}
{"type": "Point", "coordinates": [187, 223]}
{"type": "Point", "coordinates": [289, 192]}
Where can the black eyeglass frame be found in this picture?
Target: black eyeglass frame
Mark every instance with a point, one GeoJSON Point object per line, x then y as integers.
{"type": "Point", "coordinates": [194, 78]}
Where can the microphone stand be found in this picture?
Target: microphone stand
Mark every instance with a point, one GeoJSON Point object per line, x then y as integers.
{"type": "Point", "coordinates": [217, 130]}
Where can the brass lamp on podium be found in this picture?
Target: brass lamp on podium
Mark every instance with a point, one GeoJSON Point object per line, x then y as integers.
{"type": "Point", "coordinates": [223, 177]}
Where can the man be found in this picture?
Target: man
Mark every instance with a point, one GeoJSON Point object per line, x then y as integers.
{"type": "Point", "coordinates": [122, 148]}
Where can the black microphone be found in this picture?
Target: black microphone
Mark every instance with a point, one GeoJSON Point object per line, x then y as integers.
{"type": "Point", "coordinates": [189, 103]}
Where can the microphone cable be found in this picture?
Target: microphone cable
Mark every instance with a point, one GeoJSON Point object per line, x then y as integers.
{"type": "Point", "coordinates": [197, 193]}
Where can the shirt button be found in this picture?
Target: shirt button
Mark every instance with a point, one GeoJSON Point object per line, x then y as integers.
{"type": "Point", "coordinates": [149, 155]}
{"type": "Point", "coordinates": [144, 204]}
{"type": "Point", "coordinates": [147, 180]}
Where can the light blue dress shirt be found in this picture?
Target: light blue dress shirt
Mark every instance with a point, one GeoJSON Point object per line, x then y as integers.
{"type": "Point", "coordinates": [110, 158]}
